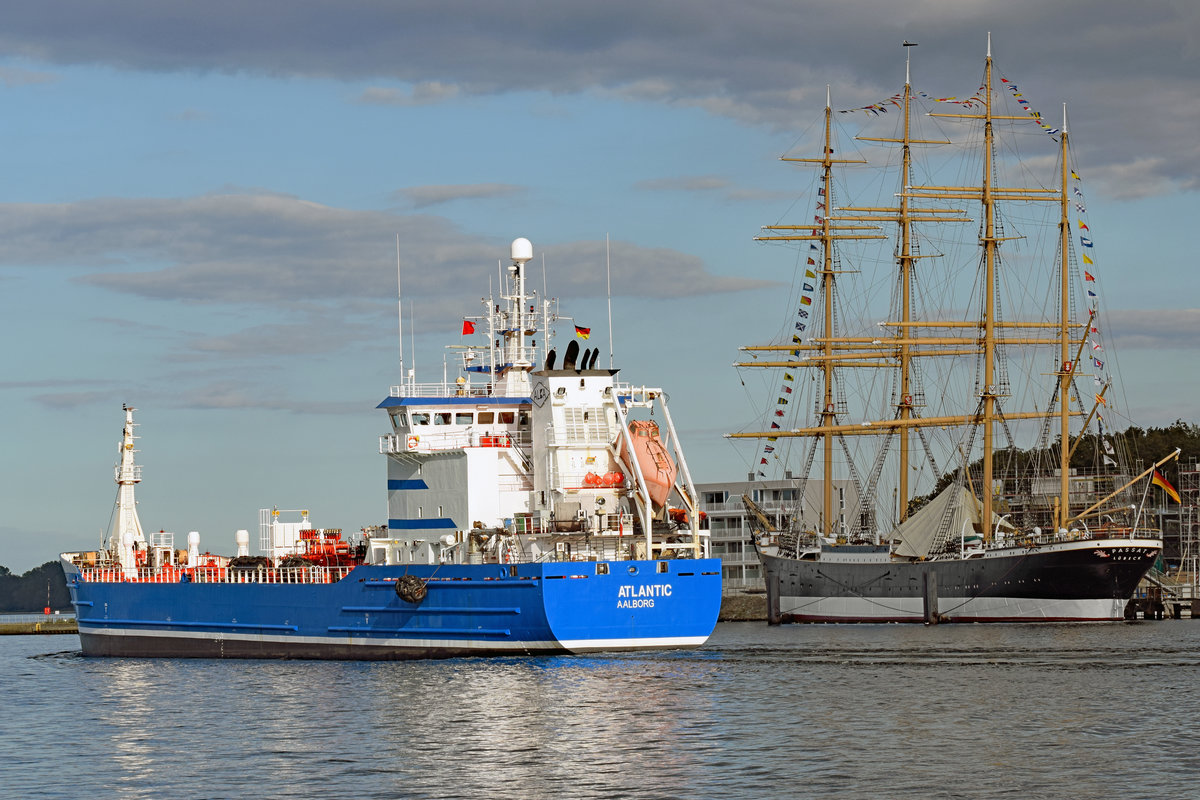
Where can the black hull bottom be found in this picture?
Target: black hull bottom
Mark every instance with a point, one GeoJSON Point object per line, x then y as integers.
{"type": "Point", "coordinates": [1088, 581]}
{"type": "Point", "coordinates": [136, 646]}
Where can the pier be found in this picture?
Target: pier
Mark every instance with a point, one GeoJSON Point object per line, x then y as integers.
{"type": "Point", "coordinates": [20, 624]}
{"type": "Point", "coordinates": [1165, 596]}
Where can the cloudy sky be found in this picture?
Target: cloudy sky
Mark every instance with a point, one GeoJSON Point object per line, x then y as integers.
{"type": "Point", "coordinates": [200, 204]}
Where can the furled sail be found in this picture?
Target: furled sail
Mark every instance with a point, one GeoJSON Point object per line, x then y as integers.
{"type": "Point", "coordinates": [950, 516]}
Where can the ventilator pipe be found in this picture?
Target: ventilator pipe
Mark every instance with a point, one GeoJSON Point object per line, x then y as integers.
{"type": "Point", "coordinates": [193, 548]}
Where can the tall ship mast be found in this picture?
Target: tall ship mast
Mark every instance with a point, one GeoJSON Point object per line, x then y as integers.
{"type": "Point", "coordinates": [1000, 532]}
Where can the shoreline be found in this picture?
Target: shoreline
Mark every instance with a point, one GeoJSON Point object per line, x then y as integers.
{"type": "Point", "coordinates": [49, 626]}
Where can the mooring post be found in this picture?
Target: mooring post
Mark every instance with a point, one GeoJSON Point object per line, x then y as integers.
{"type": "Point", "coordinates": [931, 598]}
{"type": "Point", "coordinates": [773, 617]}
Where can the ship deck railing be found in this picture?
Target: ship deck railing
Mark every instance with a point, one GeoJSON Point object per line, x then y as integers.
{"type": "Point", "coordinates": [216, 574]}
{"type": "Point", "coordinates": [432, 442]}
{"type": "Point", "coordinates": [440, 390]}
{"type": "Point", "coordinates": [629, 391]}
{"type": "Point", "coordinates": [1074, 535]}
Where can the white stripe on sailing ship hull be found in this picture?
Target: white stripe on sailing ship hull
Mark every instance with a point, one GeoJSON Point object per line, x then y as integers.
{"type": "Point", "coordinates": [956, 608]}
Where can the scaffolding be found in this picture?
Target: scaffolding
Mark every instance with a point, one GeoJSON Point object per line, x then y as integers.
{"type": "Point", "coordinates": [1189, 522]}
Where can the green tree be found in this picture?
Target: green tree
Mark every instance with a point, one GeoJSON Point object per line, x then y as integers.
{"type": "Point", "coordinates": [28, 592]}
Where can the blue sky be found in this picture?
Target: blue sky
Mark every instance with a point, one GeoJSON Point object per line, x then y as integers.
{"type": "Point", "coordinates": [200, 201]}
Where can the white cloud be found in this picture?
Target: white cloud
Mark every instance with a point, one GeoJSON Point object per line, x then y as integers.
{"type": "Point", "coordinates": [267, 249]}
{"type": "Point", "coordinates": [426, 196]}
{"type": "Point", "coordinates": [425, 93]}
{"type": "Point", "coordinates": [14, 76]}
{"type": "Point", "coordinates": [1155, 329]}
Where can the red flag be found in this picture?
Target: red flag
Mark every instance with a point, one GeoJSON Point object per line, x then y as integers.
{"type": "Point", "coordinates": [468, 327]}
{"type": "Point", "coordinates": [1087, 276]}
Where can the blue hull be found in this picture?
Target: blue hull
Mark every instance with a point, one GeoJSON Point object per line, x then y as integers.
{"type": "Point", "coordinates": [469, 610]}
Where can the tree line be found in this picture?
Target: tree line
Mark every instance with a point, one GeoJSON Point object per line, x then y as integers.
{"type": "Point", "coordinates": [28, 593]}
{"type": "Point", "coordinates": [1141, 448]}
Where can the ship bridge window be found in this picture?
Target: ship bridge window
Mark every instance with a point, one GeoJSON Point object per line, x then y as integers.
{"type": "Point", "coordinates": [486, 417]}
{"type": "Point", "coordinates": [399, 421]}
{"type": "Point", "coordinates": [507, 417]}
{"type": "Point", "coordinates": [441, 418]}
{"type": "Point", "coordinates": [524, 419]}
{"type": "Point", "coordinates": [420, 418]}
{"type": "Point", "coordinates": [464, 418]}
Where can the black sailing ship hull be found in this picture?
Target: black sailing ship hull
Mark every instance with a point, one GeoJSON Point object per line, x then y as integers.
{"type": "Point", "coordinates": [1081, 581]}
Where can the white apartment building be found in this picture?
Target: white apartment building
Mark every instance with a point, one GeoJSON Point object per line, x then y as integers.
{"type": "Point", "coordinates": [779, 499]}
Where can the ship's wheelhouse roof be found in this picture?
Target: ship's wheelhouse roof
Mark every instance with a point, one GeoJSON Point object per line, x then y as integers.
{"type": "Point", "coordinates": [392, 402]}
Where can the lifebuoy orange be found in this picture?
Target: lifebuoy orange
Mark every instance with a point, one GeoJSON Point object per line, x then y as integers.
{"type": "Point", "coordinates": [412, 442]}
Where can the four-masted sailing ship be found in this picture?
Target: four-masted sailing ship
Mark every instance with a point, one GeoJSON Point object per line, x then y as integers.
{"type": "Point", "coordinates": [1005, 534]}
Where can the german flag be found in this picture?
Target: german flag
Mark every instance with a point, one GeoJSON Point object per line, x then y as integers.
{"type": "Point", "coordinates": [1162, 483]}
{"type": "Point", "coordinates": [583, 333]}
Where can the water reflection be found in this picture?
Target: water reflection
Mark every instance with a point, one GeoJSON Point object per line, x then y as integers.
{"type": "Point", "coordinates": [539, 723]}
{"type": "Point", "coordinates": [891, 711]}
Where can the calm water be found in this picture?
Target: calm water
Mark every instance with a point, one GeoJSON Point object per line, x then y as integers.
{"type": "Point", "coordinates": [1103, 711]}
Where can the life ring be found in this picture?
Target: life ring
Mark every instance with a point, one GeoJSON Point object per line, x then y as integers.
{"type": "Point", "coordinates": [908, 399]}
{"type": "Point", "coordinates": [412, 442]}
{"type": "Point", "coordinates": [829, 408]}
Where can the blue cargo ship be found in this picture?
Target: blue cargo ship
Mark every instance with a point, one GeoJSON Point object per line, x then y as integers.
{"type": "Point", "coordinates": [533, 507]}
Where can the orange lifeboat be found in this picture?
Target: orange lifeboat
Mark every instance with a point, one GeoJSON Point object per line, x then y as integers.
{"type": "Point", "coordinates": [658, 468]}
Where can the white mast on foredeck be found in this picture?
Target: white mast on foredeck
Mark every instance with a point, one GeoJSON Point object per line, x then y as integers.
{"type": "Point", "coordinates": [127, 528]}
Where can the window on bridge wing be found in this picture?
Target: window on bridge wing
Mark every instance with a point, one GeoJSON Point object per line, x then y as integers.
{"type": "Point", "coordinates": [420, 418]}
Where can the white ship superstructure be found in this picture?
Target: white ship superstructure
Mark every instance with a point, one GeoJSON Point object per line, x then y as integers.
{"type": "Point", "coordinates": [541, 452]}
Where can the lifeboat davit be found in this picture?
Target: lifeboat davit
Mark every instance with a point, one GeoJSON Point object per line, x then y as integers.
{"type": "Point", "coordinates": [658, 468]}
